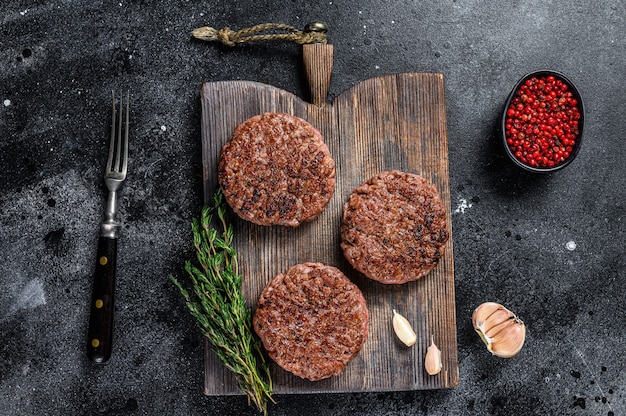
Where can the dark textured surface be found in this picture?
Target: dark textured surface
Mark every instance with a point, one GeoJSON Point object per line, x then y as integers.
{"type": "Point", "coordinates": [550, 248]}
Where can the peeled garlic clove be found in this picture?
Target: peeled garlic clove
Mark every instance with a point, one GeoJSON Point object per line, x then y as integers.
{"type": "Point", "coordinates": [403, 329]}
{"type": "Point", "coordinates": [502, 332]}
{"type": "Point", "coordinates": [432, 362]}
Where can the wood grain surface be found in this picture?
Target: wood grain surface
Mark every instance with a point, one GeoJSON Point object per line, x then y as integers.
{"type": "Point", "coordinates": [394, 121]}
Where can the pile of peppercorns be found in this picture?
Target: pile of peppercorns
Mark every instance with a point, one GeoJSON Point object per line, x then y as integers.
{"type": "Point", "coordinates": [541, 123]}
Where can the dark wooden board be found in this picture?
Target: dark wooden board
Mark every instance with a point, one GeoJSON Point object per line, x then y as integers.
{"type": "Point", "coordinates": [390, 122]}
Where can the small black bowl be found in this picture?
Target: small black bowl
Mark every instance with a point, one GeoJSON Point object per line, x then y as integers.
{"type": "Point", "coordinates": [581, 122]}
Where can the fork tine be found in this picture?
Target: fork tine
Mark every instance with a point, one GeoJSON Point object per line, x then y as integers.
{"type": "Point", "coordinates": [118, 147]}
{"type": "Point", "coordinates": [118, 138]}
{"type": "Point", "coordinates": [109, 166]}
{"type": "Point", "coordinates": [125, 140]}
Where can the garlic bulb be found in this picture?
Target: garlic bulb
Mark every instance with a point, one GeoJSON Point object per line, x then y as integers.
{"type": "Point", "coordinates": [502, 332]}
{"type": "Point", "coordinates": [432, 362]}
{"type": "Point", "coordinates": [403, 329]}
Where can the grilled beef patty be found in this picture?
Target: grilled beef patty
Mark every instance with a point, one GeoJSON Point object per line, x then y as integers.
{"type": "Point", "coordinates": [393, 227]}
{"type": "Point", "coordinates": [276, 170]}
{"type": "Point", "coordinates": [312, 320]}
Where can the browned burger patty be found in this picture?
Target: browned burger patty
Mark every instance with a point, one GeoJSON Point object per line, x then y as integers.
{"type": "Point", "coordinates": [393, 228]}
{"type": "Point", "coordinates": [276, 170]}
{"type": "Point", "coordinates": [312, 320]}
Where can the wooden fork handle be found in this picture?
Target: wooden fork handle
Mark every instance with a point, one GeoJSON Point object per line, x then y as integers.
{"type": "Point", "coordinates": [100, 333]}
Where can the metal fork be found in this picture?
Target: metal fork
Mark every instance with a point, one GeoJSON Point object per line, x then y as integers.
{"type": "Point", "coordinates": [100, 333]}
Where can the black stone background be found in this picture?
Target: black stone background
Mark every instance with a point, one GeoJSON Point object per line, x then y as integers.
{"type": "Point", "coordinates": [59, 61]}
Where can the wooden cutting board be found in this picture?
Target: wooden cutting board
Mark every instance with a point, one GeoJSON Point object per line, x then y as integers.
{"type": "Point", "coordinates": [389, 122]}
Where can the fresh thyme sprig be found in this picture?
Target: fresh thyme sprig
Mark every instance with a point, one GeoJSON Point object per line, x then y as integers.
{"type": "Point", "coordinates": [219, 307]}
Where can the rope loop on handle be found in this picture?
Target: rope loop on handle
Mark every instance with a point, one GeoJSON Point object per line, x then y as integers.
{"type": "Point", "coordinates": [314, 32]}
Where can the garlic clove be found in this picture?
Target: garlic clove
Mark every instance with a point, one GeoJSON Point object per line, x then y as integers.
{"type": "Point", "coordinates": [502, 332]}
{"type": "Point", "coordinates": [403, 329]}
{"type": "Point", "coordinates": [510, 340]}
{"type": "Point", "coordinates": [482, 313]}
{"type": "Point", "coordinates": [432, 362]}
{"type": "Point", "coordinates": [497, 322]}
